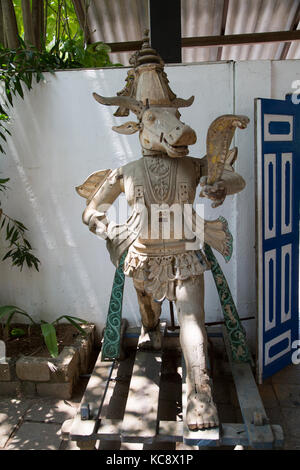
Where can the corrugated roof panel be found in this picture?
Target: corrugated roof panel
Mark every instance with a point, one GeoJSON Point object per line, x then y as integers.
{"type": "Point", "coordinates": [126, 20]}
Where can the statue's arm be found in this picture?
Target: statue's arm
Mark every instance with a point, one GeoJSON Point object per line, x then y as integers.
{"type": "Point", "coordinates": [95, 213]}
{"type": "Point", "coordinates": [230, 183]}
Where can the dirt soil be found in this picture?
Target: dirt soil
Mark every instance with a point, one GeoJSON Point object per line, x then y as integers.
{"type": "Point", "coordinates": [32, 344]}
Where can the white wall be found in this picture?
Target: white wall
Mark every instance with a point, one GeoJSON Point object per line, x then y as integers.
{"type": "Point", "coordinates": [60, 135]}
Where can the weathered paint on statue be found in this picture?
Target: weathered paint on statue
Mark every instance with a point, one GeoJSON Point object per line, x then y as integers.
{"type": "Point", "coordinates": [163, 236]}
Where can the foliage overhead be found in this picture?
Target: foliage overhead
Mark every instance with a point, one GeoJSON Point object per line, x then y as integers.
{"type": "Point", "coordinates": [39, 36]}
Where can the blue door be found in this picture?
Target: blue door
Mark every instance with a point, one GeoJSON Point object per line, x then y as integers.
{"type": "Point", "coordinates": [277, 199]}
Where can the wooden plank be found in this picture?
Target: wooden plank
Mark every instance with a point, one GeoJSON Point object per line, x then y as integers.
{"type": "Point", "coordinates": [205, 437]}
{"type": "Point", "coordinates": [170, 431]}
{"type": "Point", "coordinates": [140, 417]}
{"type": "Point", "coordinates": [231, 434]}
{"type": "Point", "coordinates": [110, 429]}
{"type": "Point", "coordinates": [82, 430]}
{"type": "Point", "coordinates": [93, 398]}
{"type": "Point", "coordinates": [260, 436]}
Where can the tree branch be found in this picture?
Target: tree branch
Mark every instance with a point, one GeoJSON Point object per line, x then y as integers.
{"type": "Point", "coordinates": [10, 24]}
{"type": "Point", "coordinates": [2, 36]}
{"type": "Point", "coordinates": [27, 22]}
{"type": "Point", "coordinates": [82, 19]}
{"type": "Point", "coordinates": [37, 21]}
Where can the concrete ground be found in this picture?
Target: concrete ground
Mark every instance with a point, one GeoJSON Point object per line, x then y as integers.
{"type": "Point", "coordinates": [35, 423]}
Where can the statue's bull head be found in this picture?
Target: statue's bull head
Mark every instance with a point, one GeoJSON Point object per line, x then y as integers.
{"type": "Point", "coordinates": [159, 126]}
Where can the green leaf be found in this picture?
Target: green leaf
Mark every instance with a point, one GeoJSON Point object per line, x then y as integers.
{"type": "Point", "coordinates": [18, 87]}
{"type": "Point", "coordinates": [17, 332]}
{"type": "Point", "coordinates": [7, 310]}
{"type": "Point", "coordinates": [7, 255]}
{"type": "Point", "coordinates": [71, 320]}
{"type": "Point", "coordinates": [50, 338]}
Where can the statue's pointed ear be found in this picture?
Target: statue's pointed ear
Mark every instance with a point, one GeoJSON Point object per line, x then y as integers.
{"type": "Point", "coordinates": [127, 128]}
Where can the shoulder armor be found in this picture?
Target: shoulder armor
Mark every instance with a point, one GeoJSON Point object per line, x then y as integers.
{"type": "Point", "coordinates": [91, 185]}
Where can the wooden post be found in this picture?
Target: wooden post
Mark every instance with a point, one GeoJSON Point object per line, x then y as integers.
{"type": "Point", "coordinates": [165, 29]}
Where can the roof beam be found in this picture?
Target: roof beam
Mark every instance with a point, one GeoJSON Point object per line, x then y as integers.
{"type": "Point", "coordinates": [216, 41]}
{"type": "Point", "coordinates": [293, 27]}
{"type": "Point", "coordinates": [223, 26]}
{"type": "Point", "coordinates": [166, 39]}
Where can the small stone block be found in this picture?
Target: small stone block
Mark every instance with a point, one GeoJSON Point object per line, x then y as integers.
{"type": "Point", "coordinates": [28, 389]}
{"type": "Point", "coordinates": [67, 362]}
{"type": "Point", "coordinates": [58, 390]}
{"type": "Point", "coordinates": [35, 369]}
{"type": "Point", "coordinates": [9, 388]}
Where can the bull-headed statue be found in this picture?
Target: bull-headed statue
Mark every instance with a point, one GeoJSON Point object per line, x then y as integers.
{"type": "Point", "coordinates": [164, 257]}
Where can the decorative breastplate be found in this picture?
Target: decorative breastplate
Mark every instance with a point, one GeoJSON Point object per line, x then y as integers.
{"type": "Point", "coordinates": [160, 181]}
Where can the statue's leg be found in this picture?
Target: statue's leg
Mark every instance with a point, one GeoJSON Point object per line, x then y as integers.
{"type": "Point", "coordinates": [150, 312]}
{"type": "Point", "coordinates": [201, 410]}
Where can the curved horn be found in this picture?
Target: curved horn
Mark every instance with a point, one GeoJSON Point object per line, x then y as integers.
{"type": "Point", "coordinates": [137, 107]}
{"type": "Point", "coordinates": [181, 103]}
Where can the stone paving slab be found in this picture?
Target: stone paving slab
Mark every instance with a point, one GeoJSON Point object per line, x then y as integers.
{"type": "Point", "coordinates": [291, 422]}
{"type": "Point", "coordinates": [51, 410]}
{"type": "Point", "coordinates": [36, 436]}
{"type": "Point", "coordinates": [288, 395]}
{"type": "Point", "coordinates": [288, 375]}
{"type": "Point", "coordinates": [292, 444]}
{"type": "Point", "coordinates": [268, 395]}
{"type": "Point", "coordinates": [11, 412]}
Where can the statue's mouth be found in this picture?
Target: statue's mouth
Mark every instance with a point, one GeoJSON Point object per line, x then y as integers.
{"type": "Point", "coordinates": [176, 150]}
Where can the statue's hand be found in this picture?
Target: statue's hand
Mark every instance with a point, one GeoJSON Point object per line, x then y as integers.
{"type": "Point", "coordinates": [216, 191]}
{"type": "Point", "coordinates": [97, 226]}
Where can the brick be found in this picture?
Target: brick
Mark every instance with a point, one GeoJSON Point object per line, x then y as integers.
{"type": "Point", "coordinates": [28, 389]}
{"type": "Point", "coordinates": [34, 369]}
{"type": "Point", "coordinates": [10, 388]}
{"type": "Point", "coordinates": [68, 363]}
{"type": "Point", "coordinates": [5, 374]}
{"type": "Point", "coordinates": [58, 390]}
{"type": "Point", "coordinates": [84, 354]}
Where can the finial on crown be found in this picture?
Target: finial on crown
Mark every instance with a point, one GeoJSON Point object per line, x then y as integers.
{"type": "Point", "coordinates": [146, 55]}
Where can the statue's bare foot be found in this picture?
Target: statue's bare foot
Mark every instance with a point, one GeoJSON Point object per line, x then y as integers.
{"type": "Point", "coordinates": [150, 339]}
{"type": "Point", "coordinates": [201, 411]}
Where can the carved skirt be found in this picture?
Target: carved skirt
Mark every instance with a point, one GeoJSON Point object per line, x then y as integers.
{"type": "Point", "coordinates": [159, 275]}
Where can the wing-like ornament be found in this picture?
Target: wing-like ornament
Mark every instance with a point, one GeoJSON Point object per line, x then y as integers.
{"type": "Point", "coordinates": [89, 188]}
{"type": "Point", "coordinates": [219, 137]}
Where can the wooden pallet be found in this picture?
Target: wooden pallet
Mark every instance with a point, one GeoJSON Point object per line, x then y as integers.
{"type": "Point", "coordinates": [136, 399]}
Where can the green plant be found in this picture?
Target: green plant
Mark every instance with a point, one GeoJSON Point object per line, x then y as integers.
{"type": "Point", "coordinates": [47, 329]}
{"type": "Point", "coordinates": [37, 37]}
{"type": "Point", "coordinates": [19, 248]}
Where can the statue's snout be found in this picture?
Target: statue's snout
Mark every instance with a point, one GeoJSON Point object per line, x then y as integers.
{"type": "Point", "coordinates": [180, 135]}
